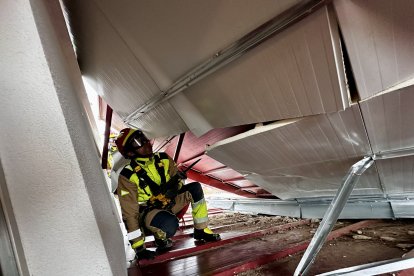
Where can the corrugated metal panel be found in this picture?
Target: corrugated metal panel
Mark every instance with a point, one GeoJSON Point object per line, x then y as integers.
{"type": "Point", "coordinates": [379, 37]}
{"type": "Point", "coordinates": [297, 142]}
{"type": "Point", "coordinates": [361, 208]}
{"type": "Point", "coordinates": [397, 175]}
{"type": "Point", "coordinates": [294, 74]}
{"type": "Point", "coordinates": [314, 180]}
{"type": "Point", "coordinates": [171, 37]}
{"type": "Point", "coordinates": [131, 50]}
{"type": "Point", "coordinates": [389, 119]}
{"type": "Point", "coordinates": [389, 123]}
{"type": "Point", "coordinates": [161, 121]}
{"type": "Point", "coordinates": [303, 158]}
{"type": "Point", "coordinates": [403, 209]}
{"type": "Point", "coordinates": [352, 210]}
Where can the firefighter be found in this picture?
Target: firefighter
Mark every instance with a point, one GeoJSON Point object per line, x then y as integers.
{"type": "Point", "coordinates": [151, 192]}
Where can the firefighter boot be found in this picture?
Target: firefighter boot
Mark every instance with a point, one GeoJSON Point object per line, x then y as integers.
{"type": "Point", "coordinates": [163, 245]}
{"type": "Point", "coordinates": [206, 235]}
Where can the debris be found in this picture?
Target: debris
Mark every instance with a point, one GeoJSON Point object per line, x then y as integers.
{"type": "Point", "coordinates": [384, 238]}
{"type": "Point", "coordinates": [410, 232]}
{"type": "Point", "coordinates": [359, 232]}
{"type": "Point", "coordinates": [405, 245]}
{"type": "Point", "coordinates": [313, 231]}
{"type": "Point", "coordinates": [315, 220]}
{"type": "Point", "coordinates": [361, 237]}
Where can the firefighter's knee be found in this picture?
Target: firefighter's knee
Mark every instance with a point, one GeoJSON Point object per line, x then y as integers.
{"type": "Point", "coordinates": [166, 222]}
{"type": "Point", "coordinates": [195, 190]}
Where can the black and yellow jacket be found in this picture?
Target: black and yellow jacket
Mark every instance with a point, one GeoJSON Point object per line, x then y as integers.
{"type": "Point", "coordinates": [133, 190]}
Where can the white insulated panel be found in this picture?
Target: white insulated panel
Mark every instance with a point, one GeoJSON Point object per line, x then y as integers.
{"type": "Point", "coordinates": [389, 119]}
{"type": "Point", "coordinates": [306, 157]}
{"type": "Point", "coordinates": [296, 73]}
{"type": "Point", "coordinates": [397, 175]}
{"type": "Point", "coordinates": [106, 60]}
{"type": "Point", "coordinates": [390, 126]}
{"type": "Point", "coordinates": [379, 37]}
{"type": "Point", "coordinates": [161, 121]}
{"type": "Point", "coordinates": [315, 180]}
{"type": "Point", "coordinates": [171, 37]}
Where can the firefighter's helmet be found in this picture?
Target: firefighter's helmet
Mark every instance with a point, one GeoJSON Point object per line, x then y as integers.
{"type": "Point", "coordinates": [129, 140]}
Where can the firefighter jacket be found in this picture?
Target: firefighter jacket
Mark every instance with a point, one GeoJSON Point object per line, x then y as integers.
{"type": "Point", "coordinates": [134, 191]}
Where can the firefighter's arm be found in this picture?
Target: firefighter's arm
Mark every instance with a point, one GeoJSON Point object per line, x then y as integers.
{"type": "Point", "coordinates": [173, 171]}
{"type": "Point", "coordinates": [128, 195]}
{"type": "Point", "coordinates": [176, 180]}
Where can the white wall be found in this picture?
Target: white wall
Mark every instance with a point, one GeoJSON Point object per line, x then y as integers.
{"type": "Point", "coordinates": [59, 201]}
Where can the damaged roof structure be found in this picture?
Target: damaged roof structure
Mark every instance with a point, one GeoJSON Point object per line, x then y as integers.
{"type": "Point", "coordinates": [280, 99]}
{"type": "Point", "coordinates": [322, 90]}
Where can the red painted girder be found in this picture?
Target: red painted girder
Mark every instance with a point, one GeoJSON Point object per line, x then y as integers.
{"type": "Point", "coordinates": [253, 263]}
{"type": "Point", "coordinates": [240, 178]}
{"type": "Point", "coordinates": [196, 176]}
{"type": "Point", "coordinates": [215, 170]}
{"type": "Point", "coordinates": [190, 251]}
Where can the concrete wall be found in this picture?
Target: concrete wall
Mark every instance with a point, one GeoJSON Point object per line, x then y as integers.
{"type": "Point", "coordinates": [59, 206]}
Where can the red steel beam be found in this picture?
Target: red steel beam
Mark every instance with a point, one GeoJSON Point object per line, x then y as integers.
{"type": "Point", "coordinates": [216, 183]}
{"type": "Point", "coordinates": [253, 263]}
{"type": "Point", "coordinates": [161, 146]}
{"type": "Point", "coordinates": [240, 178]}
{"type": "Point", "coordinates": [192, 158]}
{"type": "Point", "coordinates": [108, 121]}
{"type": "Point", "coordinates": [215, 170]}
{"type": "Point", "coordinates": [178, 254]}
{"type": "Point", "coordinates": [178, 147]}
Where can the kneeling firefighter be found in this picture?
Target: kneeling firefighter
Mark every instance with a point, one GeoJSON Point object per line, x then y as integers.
{"type": "Point", "coordinates": [151, 192]}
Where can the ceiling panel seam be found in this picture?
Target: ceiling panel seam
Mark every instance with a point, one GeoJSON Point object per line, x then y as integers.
{"type": "Point", "coordinates": [370, 146]}
{"type": "Point", "coordinates": [334, 31]}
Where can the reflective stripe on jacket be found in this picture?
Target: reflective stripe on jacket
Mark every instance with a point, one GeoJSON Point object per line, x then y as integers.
{"type": "Point", "coordinates": [130, 193]}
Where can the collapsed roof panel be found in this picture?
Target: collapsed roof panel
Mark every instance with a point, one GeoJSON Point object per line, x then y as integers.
{"type": "Point", "coordinates": [389, 123]}
{"type": "Point", "coordinates": [172, 37]}
{"type": "Point", "coordinates": [106, 61]}
{"type": "Point", "coordinates": [316, 180]}
{"type": "Point", "coordinates": [389, 119]}
{"type": "Point", "coordinates": [379, 37]}
{"type": "Point", "coordinates": [296, 73]}
{"type": "Point", "coordinates": [160, 122]}
{"type": "Point", "coordinates": [131, 51]}
{"type": "Point", "coordinates": [397, 176]}
{"type": "Point", "coordinates": [305, 157]}
{"type": "Point", "coordinates": [300, 141]}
